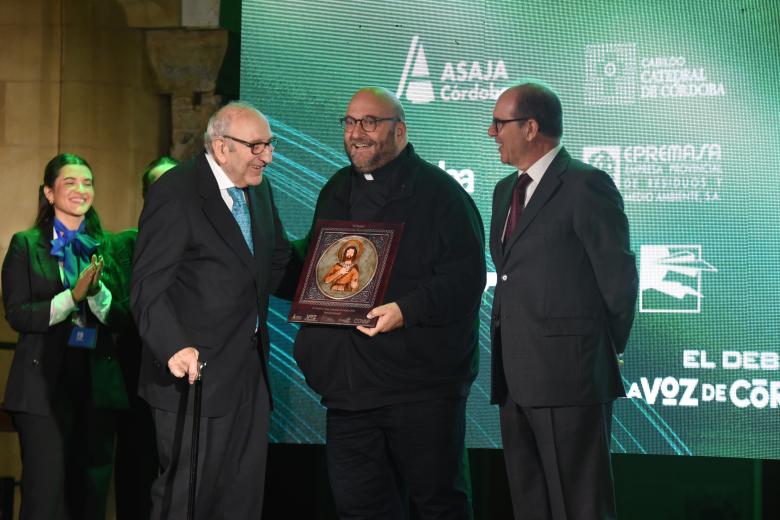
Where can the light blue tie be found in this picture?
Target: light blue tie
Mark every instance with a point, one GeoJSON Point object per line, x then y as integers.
{"type": "Point", "coordinates": [241, 214]}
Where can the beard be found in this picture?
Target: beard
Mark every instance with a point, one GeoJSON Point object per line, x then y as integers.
{"type": "Point", "coordinates": [376, 154]}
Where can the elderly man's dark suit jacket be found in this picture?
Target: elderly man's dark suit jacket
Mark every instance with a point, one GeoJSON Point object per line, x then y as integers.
{"type": "Point", "coordinates": [195, 283]}
{"type": "Point", "coordinates": [567, 284]}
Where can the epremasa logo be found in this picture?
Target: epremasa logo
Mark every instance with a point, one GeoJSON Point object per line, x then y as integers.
{"type": "Point", "coordinates": [462, 80]}
{"type": "Point", "coordinates": [670, 278]}
{"type": "Point", "coordinates": [606, 158]}
{"type": "Point", "coordinates": [686, 173]}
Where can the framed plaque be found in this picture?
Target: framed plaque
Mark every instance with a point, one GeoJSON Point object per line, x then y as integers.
{"type": "Point", "coordinates": [345, 273]}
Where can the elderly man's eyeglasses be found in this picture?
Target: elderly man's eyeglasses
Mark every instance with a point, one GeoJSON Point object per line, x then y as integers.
{"type": "Point", "coordinates": [258, 147]}
{"type": "Point", "coordinates": [368, 123]}
{"type": "Point", "coordinates": [498, 124]}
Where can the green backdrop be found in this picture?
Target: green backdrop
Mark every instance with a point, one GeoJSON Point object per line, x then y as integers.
{"type": "Point", "coordinates": [677, 100]}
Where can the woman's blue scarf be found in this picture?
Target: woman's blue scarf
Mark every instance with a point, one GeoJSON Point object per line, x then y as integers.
{"type": "Point", "coordinates": [73, 248]}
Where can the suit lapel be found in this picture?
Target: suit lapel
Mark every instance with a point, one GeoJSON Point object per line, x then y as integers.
{"type": "Point", "coordinates": [547, 187]}
{"type": "Point", "coordinates": [503, 199]}
{"type": "Point", "coordinates": [48, 266]}
{"type": "Point", "coordinates": [219, 215]}
{"type": "Point", "coordinates": [262, 224]}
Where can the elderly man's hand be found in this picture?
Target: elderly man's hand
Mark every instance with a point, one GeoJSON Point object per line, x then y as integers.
{"type": "Point", "coordinates": [390, 318]}
{"type": "Point", "coordinates": [185, 363]}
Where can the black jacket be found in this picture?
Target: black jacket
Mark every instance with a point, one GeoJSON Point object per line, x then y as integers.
{"type": "Point", "coordinates": [195, 283]}
{"type": "Point", "coordinates": [437, 281]}
{"type": "Point", "coordinates": [31, 278]}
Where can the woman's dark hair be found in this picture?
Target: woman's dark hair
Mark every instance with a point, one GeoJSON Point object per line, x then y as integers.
{"type": "Point", "coordinates": [45, 219]}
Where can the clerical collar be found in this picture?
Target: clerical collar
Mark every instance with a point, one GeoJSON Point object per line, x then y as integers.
{"type": "Point", "coordinates": [383, 173]}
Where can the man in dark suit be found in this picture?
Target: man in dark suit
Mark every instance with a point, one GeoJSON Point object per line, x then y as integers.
{"type": "Point", "coordinates": [562, 312]}
{"type": "Point", "coordinates": [210, 250]}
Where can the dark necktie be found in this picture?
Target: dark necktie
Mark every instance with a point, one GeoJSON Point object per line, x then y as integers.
{"type": "Point", "coordinates": [518, 201]}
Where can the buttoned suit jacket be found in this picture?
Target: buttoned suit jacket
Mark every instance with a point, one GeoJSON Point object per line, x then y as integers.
{"type": "Point", "coordinates": [566, 289]}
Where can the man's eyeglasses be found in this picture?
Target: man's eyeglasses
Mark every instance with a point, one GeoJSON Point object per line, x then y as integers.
{"type": "Point", "coordinates": [368, 123]}
{"type": "Point", "coordinates": [256, 148]}
{"type": "Point", "coordinates": [498, 124]}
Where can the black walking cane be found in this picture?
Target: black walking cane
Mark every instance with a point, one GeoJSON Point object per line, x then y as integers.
{"type": "Point", "coordinates": [198, 388]}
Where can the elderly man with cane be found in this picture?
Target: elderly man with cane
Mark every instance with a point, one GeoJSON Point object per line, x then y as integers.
{"type": "Point", "coordinates": [210, 250]}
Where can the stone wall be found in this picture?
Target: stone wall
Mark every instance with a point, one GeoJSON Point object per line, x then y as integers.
{"type": "Point", "coordinates": [76, 76]}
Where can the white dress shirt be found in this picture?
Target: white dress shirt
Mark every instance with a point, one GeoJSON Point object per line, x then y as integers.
{"type": "Point", "coordinates": [536, 172]}
{"type": "Point", "coordinates": [223, 181]}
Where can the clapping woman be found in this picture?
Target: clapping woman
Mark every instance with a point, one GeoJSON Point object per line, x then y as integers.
{"type": "Point", "coordinates": [65, 384]}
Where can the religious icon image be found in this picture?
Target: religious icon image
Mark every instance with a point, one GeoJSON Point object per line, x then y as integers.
{"type": "Point", "coordinates": [346, 267]}
{"type": "Point", "coordinates": [345, 272]}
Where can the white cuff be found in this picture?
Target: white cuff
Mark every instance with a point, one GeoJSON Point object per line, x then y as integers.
{"type": "Point", "coordinates": [61, 306]}
{"type": "Point", "coordinates": [100, 303]}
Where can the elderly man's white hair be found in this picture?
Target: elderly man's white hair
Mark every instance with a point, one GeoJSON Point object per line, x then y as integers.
{"type": "Point", "coordinates": [219, 122]}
